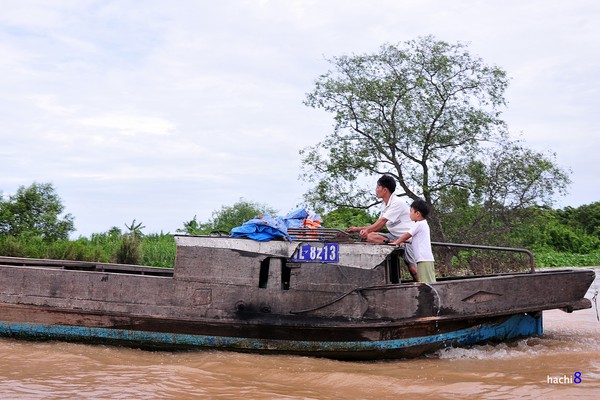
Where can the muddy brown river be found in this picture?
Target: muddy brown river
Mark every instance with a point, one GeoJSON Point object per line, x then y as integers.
{"type": "Point", "coordinates": [562, 364]}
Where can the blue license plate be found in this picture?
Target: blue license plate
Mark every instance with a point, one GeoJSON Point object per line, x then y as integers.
{"type": "Point", "coordinates": [321, 253]}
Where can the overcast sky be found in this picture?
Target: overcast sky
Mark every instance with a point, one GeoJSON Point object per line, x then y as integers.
{"type": "Point", "coordinates": [162, 110]}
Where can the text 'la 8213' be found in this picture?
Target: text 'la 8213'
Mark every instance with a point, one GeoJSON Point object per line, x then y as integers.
{"type": "Point", "coordinates": [325, 253]}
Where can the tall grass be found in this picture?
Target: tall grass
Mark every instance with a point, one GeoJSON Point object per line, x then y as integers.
{"type": "Point", "coordinates": [158, 250]}
{"type": "Point", "coordinates": [152, 250]}
{"type": "Point", "coordinates": [551, 258]}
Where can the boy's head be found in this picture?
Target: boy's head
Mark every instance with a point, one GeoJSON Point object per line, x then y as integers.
{"type": "Point", "coordinates": [387, 182]}
{"type": "Point", "coordinates": [420, 206]}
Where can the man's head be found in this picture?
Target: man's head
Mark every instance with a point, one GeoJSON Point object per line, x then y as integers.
{"type": "Point", "coordinates": [386, 181]}
{"type": "Point", "coordinates": [420, 206]}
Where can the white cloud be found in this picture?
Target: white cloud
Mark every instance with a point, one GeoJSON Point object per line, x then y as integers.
{"type": "Point", "coordinates": [50, 104]}
{"type": "Point", "coordinates": [130, 125]}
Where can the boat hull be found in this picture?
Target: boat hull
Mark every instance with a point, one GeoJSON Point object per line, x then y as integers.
{"type": "Point", "coordinates": [343, 341]}
{"type": "Point", "coordinates": [256, 298]}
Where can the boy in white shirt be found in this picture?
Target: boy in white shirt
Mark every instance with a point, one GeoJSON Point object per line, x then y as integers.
{"type": "Point", "coordinates": [421, 241]}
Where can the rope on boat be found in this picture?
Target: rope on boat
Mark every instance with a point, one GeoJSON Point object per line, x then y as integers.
{"type": "Point", "coordinates": [357, 290]}
{"type": "Point", "coordinates": [595, 298]}
{"type": "Point", "coordinates": [437, 300]}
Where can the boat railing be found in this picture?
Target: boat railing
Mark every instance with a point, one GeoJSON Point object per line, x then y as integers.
{"type": "Point", "coordinates": [85, 266]}
{"type": "Point", "coordinates": [481, 247]}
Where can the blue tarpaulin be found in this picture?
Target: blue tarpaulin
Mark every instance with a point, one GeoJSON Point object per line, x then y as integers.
{"type": "Point", "coordinates": [265, 228]}
{"type": "Point", "coordinates": [295, 219]}
{"type": "Point", "coordinates": [262, 229]}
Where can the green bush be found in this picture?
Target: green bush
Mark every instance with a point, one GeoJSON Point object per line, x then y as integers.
{"type": "Point", "coordinates": [345, 217]}
{"type": "Point", "coordinates": [35, 211]}
{"type": "Point", "coordinates": [158, 250]}
{"type": "Point", "coordinates": [112, 246]}
{"type": "Point", "coordinates": [557, 259]}
{"type": "Point", "coordinates": [559, 231]}
{"type": "Point", "coordinates": [227, 218]}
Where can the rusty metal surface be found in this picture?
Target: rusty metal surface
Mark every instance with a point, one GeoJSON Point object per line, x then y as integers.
{"type": "Point", "coordinates": [323, 235]}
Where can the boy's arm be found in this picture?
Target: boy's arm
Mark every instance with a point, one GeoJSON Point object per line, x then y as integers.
{"type": "Point", "coordinates": [402, 239]}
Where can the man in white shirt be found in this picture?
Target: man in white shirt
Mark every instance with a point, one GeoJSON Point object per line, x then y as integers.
{"type": "Point", "coordinates": [395, 216]}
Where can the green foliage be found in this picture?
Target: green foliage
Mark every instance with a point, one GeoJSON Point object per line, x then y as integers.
{"type": "Point", "coordinates": [98, 248]}
{"type": "Point", "coordinates": [428, 113]}
{"type": "Point", "coordinates": [587, 217]}
{"type": "Point", "coordinates": [561, 230]}
{"type": "Point", "coordinates": [345, 217]}
{"type": "Point", "coordinates": [478, 261]}
{"type": "Point", "coordinates": [566, 239]}
{"type": "Point", "coordinates": [227, 218]}
{"type": "Point", "coordinates": [158, 250]}
{"type": "Point", "coordinates": [153, 250]}
{"type": "Point", "coordinates": [502, 195]}
{"type": "Point", "coordinates": [129, 250]}
{"type": "Point", "coordinates": [35, 211]}
{"type": "Point", "coordinates": [192, 227]}
{"type": "Point", "coordinates": [551, 258]}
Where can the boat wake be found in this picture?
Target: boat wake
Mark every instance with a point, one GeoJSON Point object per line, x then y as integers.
{"type": "Point", "coordinates": [564, 334]}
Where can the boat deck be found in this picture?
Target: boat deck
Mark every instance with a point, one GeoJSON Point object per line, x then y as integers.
{"type": "Point", "coordinates": [85, 266]}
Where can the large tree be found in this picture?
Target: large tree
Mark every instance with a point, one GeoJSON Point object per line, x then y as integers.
{"type": "Point", "coordinates": [428, 113]}
{"type": "Point", "coordinates": [37, 211]}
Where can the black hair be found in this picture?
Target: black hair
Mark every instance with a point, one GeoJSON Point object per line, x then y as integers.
{"type": "Point", "coordinates": [387, 181]}
{"type": "Point", "coordinates": [421, 206]}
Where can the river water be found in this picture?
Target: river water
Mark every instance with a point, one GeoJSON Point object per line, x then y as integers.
{"type": "Point", "coordinates": [548, 367]}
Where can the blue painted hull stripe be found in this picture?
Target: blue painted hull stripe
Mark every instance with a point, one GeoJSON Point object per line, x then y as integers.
{"type": "Point", "coordinates": [516, 326]}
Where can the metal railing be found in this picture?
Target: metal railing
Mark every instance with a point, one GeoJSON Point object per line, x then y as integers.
{"type": "Point", "coordinates": [474, 246]}
{"type": "Point", "coordinates": [321, 234]}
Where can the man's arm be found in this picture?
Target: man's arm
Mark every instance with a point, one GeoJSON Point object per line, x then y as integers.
{"type": "Point", "coordinates": [365, 230]}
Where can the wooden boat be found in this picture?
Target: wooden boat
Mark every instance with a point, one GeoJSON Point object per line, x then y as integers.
{"type": "Point", "coordinates": [305, 297]}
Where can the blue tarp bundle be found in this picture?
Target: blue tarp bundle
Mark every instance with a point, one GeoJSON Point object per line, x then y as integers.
{"type": "Point", "coordinates": [262, 229]}
{"type": "Point", "coordinates": [266, 228]}
{"type": "Point", "coordinates": [295, 219]}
